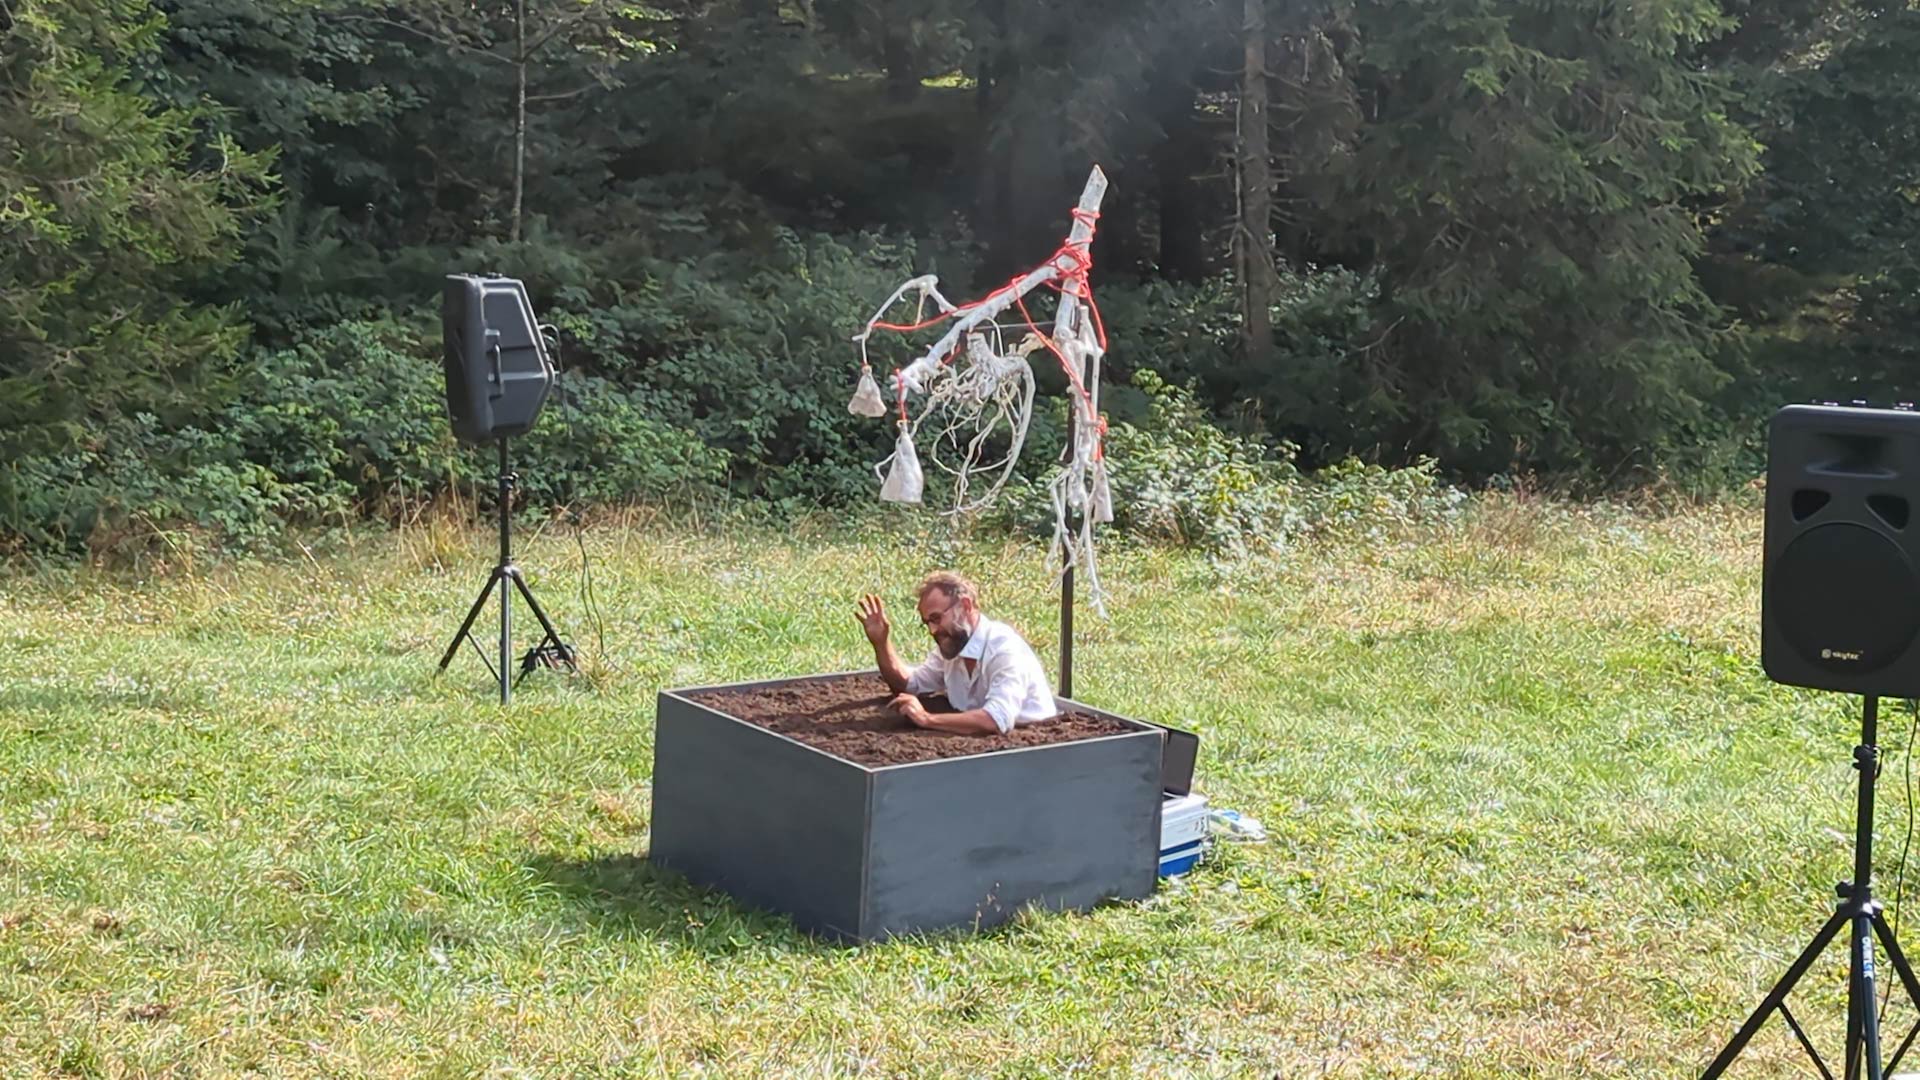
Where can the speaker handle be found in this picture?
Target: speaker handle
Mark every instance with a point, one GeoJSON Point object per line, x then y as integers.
{"type": "Point", "coordinates": [494, 380]}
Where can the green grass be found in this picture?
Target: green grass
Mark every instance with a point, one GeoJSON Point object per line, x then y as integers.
{"type": "Point", "coordinates": [1535, 811]}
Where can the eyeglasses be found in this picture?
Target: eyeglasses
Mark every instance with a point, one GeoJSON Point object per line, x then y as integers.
{"type": "Point", "coordinates": [931, 621]}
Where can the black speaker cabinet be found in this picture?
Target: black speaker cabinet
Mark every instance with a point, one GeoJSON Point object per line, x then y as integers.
{"type": "Point", "coordinates": [1840, 599]}
{"type": "Point", "coordinates": [497, 369]}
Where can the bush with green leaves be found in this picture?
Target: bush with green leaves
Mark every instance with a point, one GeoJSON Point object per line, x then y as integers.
{"type": "Point", "coordinates": [1312, 395]}
{"type": "Point", "coordinates": [136, 472]}
{"type": "Point", "coordinates": [358, 410]}
{"type": "Point", "coordinates": [750, 352]}
{"type": "Point", "coordinates": [1179, 478]}
{"type": "Point", "coordinates": [725, 372]}
{"type": "Point", "coordinates": [348, 419]}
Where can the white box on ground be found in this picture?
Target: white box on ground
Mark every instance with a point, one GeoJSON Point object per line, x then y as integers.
{"type": "Point", "coordinates": [1183, 833]}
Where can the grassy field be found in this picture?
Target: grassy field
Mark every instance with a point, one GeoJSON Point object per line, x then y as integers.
{"type": "Point", "coordinates": [1535, 811]}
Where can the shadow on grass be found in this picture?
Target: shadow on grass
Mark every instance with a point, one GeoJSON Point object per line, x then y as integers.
{"type": "Point", "coordinates": [628, 895]}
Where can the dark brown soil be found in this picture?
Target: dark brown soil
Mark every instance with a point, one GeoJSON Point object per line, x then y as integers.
{"type": "Point", "coordinates": [847, 716]}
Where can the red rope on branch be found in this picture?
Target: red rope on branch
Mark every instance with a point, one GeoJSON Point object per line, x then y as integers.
{"type": "Point", "coordinates": [1074, 261]}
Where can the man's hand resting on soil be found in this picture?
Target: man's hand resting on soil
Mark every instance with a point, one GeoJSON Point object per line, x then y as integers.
{"type": "Point", "coordinates": [971, 722]}
{"type": "Point", "coordinates": [910, 707]}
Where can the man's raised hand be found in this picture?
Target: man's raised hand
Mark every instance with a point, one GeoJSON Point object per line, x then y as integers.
{"type": "Point", "coordinates": [872, 616]}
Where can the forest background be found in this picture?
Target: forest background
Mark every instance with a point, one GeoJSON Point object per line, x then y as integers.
{"type": "Point", "coordinates": [1394, 243]}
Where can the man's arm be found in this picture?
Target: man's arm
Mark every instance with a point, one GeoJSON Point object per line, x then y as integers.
{"type": "Point", "coordinates": [873, 619]}
{"type": "Point", "coordinates": [892, 670]}
{"type": "Point", "coordinates": [1005, 690]}
{"type": "Point", "coordinates": [971, 722]}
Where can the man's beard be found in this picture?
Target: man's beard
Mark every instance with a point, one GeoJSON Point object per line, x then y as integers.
{"type": "Point", "coordinates": [951, 642]}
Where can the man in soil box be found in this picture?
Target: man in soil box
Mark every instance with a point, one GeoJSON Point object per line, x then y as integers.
{"type": "Point", "coordinates": [986, 670]}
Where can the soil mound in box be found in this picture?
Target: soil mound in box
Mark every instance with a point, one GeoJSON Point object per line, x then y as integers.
{"type": "Point", "coordinates": [847, 716]}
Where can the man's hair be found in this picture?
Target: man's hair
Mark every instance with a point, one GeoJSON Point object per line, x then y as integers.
{"type": "Point", "coordinates": [955, 587]}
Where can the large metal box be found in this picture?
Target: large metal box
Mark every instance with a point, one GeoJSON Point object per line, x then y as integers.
{"type": "Point", "coordinates": [864, 853]}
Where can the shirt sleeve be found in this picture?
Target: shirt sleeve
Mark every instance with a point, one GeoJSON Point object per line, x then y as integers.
{"type": "Point", "coordinates": [930, 676]}
{"type": "Point", "coordinates": [1006, 691]}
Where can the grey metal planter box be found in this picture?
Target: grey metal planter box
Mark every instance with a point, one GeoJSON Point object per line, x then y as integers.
{"type": "Point", "coordinates": [864, 853]}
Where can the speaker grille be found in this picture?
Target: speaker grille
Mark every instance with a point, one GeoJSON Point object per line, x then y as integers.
{"type": "Point", "coordinates": [1844, 597]}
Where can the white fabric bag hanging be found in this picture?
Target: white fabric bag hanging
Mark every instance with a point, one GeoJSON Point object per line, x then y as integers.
{"type": "Point", "coordinates": [866, 396]}
{"type": "Point", "coordinates": [904, 481]}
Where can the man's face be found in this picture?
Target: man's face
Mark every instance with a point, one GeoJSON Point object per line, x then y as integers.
{"type": "Point", "coordinates": [950, 621]}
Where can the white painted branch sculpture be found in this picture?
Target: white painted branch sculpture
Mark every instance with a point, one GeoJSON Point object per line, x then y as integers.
{"type": "Point", "coordinates": [975, 385]}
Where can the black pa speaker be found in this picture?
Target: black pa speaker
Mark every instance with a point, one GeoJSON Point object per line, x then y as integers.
{"type": "Point", "coordinates": [1840, 596]}
{"type": "Point", "coordinates": [497, 369]}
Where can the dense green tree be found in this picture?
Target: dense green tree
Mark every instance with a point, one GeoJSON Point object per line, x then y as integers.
{"type": "Point", "coordinates": [110, 204]}
{"type": "Point", "coordinates": [1591, 240]}
{"type": "Point", "coordinates": [1523, 184]}
{"type": "Point", "coordinates": [1821, 255]}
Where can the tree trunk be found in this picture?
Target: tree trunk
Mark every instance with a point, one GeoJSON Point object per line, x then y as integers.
{"type": "Point", "coordinates": [903, 82]}
{"type": "Point", "coordinates": [992, 52]}
{"type": "Point", "coordinates": [1255, 228]}
{"type": "Point", "coordinates": [902, 86]}
{"type": "Point", "coordinates": [1180, 154]}
{"type": "Point", "coordinates": [999, 232]}
{"type": "Point", "coordinates": [519, 113]}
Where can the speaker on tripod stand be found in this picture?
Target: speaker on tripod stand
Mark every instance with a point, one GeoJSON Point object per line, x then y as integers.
{"type": "Point", "coordinates": [1840, 610]}
{"type": "Point", "coordinates": [498, 376]}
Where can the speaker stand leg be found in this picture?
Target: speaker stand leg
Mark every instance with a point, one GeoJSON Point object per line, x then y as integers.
{"type": "Point", "coordinates": [1898, 957]}
{"type": "Point", "coordinates": [552, 636]}
{"type": "Point", "coordinates": [505, 572]}
{"type": "Point", "coordinates": [1777, 999]}
{"type": "Point", "coordinates": [473, 615]}
{"type": "Point", "coordinates": [1861, 914]}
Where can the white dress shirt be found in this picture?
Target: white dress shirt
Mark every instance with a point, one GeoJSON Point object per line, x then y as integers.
{"type": "Point", "coordinates": [1007, 680]}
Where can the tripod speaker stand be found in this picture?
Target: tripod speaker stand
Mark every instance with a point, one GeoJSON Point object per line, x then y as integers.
{"type": "Point", "coordinates": [1860, 915]}
{"type": "Point", "coordinates": [504, 572]}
